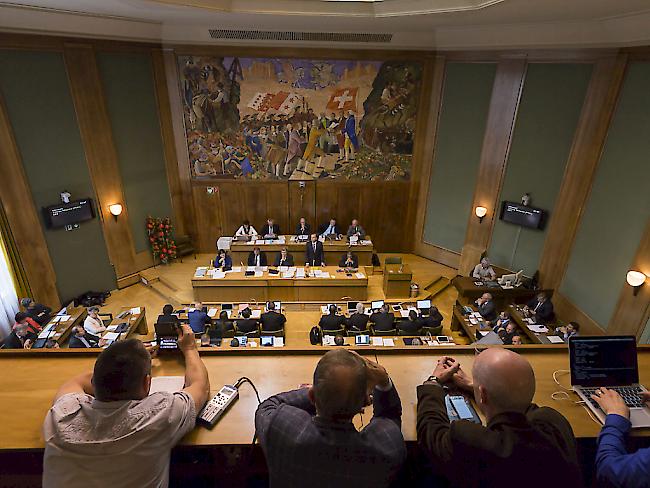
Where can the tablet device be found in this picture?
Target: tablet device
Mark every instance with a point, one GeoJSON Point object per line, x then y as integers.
{"type": "Point", "coordinates": [267, 340]}
{"type": "Point", "coordinates": [362, 340]}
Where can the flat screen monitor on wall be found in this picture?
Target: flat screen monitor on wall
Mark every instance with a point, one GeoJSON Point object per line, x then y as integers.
{"type": "Point", "coordinates": [518, 214]}
{"type": "Point", "coordinates": [63, 214]}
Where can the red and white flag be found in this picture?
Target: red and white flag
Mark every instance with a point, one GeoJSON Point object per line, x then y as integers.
{"type": "Point", "coordinates": [260, 101]}
{"type": "Point", "coordinates": [343, 99]}
{"type": "Point", "coordinates": [290, 102]}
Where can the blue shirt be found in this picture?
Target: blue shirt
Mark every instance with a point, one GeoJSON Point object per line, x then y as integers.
{"type": "Point", "coordinates": [198, 319]}
{"type": "Point", "coordinates": [614, 466]}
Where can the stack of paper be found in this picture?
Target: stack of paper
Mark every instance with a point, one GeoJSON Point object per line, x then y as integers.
{"type": "Point", "coordinates": [538, 328]}
{"type": "Point", "coordinates": [212, 312]}
{"type": "Point", "coordinates": [250, 243]}
{"type": "Point", "coordinates": [360, 276]}
{"type": "Point", "coordinates": [300, 272]}
{"type": "Point", "coordinates": [169, 384]}
{"type": "Point", "coordinates": [377, 341]}
{"type": "Point", "coordinates": [218, 274]}
{"type": "Point", "coordinates": [259, 274]}
{"type": "Point", "coordinates": [288, 274]}
{"type": "Point", "coordinates": [328, 340]}
{"type": "Point", "coordinates": [256, 314]}
{"type": "Point", "coordinates": [324, 274]}
{"type": "Point", "coordinates": [283, 269]}
{"type": "Point", "coordinates": [317, 273]}
{"type": "Point", "coordinates": [250, 268]}
{"type": "Point", "coordinates": [236, 269]}
{"type": "Point", "coordinates": [110, 336]}
{"type": "Point", "coordinates": [553, 339]}
{"type": "Point", "coordinates": [389, 342]}
{"type": "Point", "coordinates": [278, 342]}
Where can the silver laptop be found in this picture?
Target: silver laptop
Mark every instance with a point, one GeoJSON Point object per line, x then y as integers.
{"type": "Point", "coordinates": [610, 362]}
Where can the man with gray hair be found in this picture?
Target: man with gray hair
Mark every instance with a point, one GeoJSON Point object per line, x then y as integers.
{"type": "Point", "coordinates": [308, 436]}
{"type": "Point", "coordinates": [38, 312]}
{"type": "Point", "coordinates": [483, 271]}
{"type": "Point", "coordinates": [518, 435]}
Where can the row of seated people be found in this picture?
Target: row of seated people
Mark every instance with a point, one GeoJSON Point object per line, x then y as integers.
{"type": "Point", "coordinates": [310, 430]}
{"type": "Point", "coordinates": [381, 322]}
{"type": "Point", "coordinates": [271, 230]}
{"type": "Point", "coordinates": [270, 323]}
{"type": "Point", "coordinates": [540, 309]}
{"type": "Point", "coordinates": [257, 257]}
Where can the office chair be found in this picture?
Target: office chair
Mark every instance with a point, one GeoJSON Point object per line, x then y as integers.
{"type": "Point", "coordinates": [434, 331]}
{"type": "Point", "coordinates": [252, 334]}
{"type": "Point", "coordinates": [333, 332]}
{"type": "Point", "coordinates": [390, 332]}
{"type": "Point", "coordinates": [354, 332]}
{"type": "Point", "coordinates": [393, 260]}
{"type": "Point", "coordinates": [272, 333]}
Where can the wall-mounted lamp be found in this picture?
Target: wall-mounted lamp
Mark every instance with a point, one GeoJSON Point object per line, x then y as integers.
{"type": "Point", "coordinates": [115, 209]}
{"type": "Point", "coordinates": [480, 213]}
{"type": "Point", "coordinates": [635, 279]}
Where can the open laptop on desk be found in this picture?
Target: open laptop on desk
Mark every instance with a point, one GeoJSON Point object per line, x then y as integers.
{"type": "Point", "coordinates": [423, 307]}
{"type": "Point", "coordinates": [610, 362]}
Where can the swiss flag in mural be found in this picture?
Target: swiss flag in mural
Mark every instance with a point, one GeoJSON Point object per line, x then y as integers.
{"type": "Point", "coordinates": [343, 99]}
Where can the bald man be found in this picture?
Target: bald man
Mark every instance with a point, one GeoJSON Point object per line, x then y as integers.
{"type": "Point", "coordinates": [522, 444]}
{"type": "Point", "coordinates": [308, 436]}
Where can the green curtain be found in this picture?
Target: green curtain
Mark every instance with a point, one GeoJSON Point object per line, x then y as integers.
{"type": "Point", "coordinates": [10, 250]}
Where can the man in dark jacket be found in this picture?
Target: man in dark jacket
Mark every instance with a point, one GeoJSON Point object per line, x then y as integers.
{"type": "Point", "coordinates": [383, 320]}
{"type": "Point", "coordinates": [540, 308]}
{"type": "Point", "coordinates": [518, 436]}
{"type": "Point", "coordinates": [486, 307]}
{"type": "Point", "coordinates": [20, 338]}
{"type": "Point", "coordinates": [332, 321]}
{"type": "Point", "coordinates": [272, 320]}
{"type": "Point", "coordinates": [80, 338]}
{"type": "Point", "coordinates": [434, 319]}
{"type": "Point", "coordinates": [257, 258]}
{"type": "Point", "coordinates": [308, 436]}
{"type": "Point", "coordinates": [40, 313]}
{"type": "Point", "coordinates": [246, 324]}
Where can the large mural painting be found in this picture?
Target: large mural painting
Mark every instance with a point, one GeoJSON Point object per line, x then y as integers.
{"type": "Point", "coordinates": [297, 119]}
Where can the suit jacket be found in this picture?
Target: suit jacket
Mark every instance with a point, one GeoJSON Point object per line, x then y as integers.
{"type": "Point", "coordinates": [267, 230]}
{"type": "Point", "coordinates": [227, 263]}
{"type": "Point", "coordinates": [220, 328]}
{"type": "Point", "coordinates": [13, 342]}
{"type": "Point", "coordinates": [40, 313]}
{"type": "Point", "coordinates": [76, 342]}
{"type": "Point", "coordinates": [314, 258]}
{"type": "Point", "coordinates": [358, 321]}
{"type": "Point", "coordinates": [251, 259]}
{"type": "Point", "coordinates": [433, 320]}
{"type": "Point", "coordinates": [383, 320]}
{"type": "Point", "coordinates": [272, 321]}
{"type": "Point", "coordinates": [410, 326]}
{"type": "Point", "coordinates": [331, 322]}
{"type": "Point", "coordinates": [324, 227]}
{"type": "Point", "coordinates": [356, 229]}
{"type": "Point", "coordinates": [297, 443]}
{"type": "Point", "coordinates": [355, 261]}
{"type": "Point", "coordinates": [487, 310]}
{"type": "Point", "coordinates": [287, 262]}
{"type": "Point", "coordinates": [305, 232]}
{"type": "Point", "coordinates": [499, 454]}
{"type": "Point", "coordinates": [247, 325]}
{"type": "Point", "coordinates": [544, 313]}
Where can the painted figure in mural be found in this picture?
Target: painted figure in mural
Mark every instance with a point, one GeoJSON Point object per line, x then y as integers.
{"type": "Point", "coordinates": [293, 149]}
{"type": "Point", "coordinates": [350, 143]}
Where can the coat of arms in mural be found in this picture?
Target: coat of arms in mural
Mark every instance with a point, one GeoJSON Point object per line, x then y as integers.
{"type": "Point", "coordinates": [295, 119]}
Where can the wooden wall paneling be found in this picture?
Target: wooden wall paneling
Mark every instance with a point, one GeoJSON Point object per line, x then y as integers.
{"type": "Point", "coordinates": [506, 95]}
{"type": "Point", "coordinates": [277, 205]}
{"type": "Point", "coordinates": [425, 123]}
{"type": "Point", "coordinates": [327, 200]}
{"type": "Point", "coordinates": [169, 145]}
{"type": "Point", "coordinates": [23, 218]}
{"type": "Point", "coordinates": [101, 155]}
{"type": "Point", "coordinates": [182, 169]}
{"type": "Point", "coordinates": [302, 203]}
{"type": "Point", "coordinates": [589, 140]}
{"type": "Point", "coordinates": [392, 233]}
{"type": "Point", "coordinates": [567, 311]}
{"type": "Point", "coordinates": [208, 217]}
{"type": "Point", "coordinates": [632, 312]}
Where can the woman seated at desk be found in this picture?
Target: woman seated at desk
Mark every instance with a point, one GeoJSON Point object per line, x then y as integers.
{"type": "Point", "coordinates": [246, 229]}
{"type": "Point", "coordinates": [93, 324]}
{"type": "Point", "coordinates": [223, 261]}
{"type": "Point", "coordinates": [349, 260]}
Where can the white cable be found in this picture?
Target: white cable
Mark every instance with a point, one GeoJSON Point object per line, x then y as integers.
{"type": "Point", "coordinates": [557, 382]}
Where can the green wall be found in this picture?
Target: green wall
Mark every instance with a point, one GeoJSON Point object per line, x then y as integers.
{"type": "Point", "coordinates": [548, 114]}
{"type": "Point", "coordinates": [465, 103]}
{"type": "Point", "coordinates": [130, 96]}
{"type": "Point", "coordinates": [35, 89]}
{"type": "Point", "coordinates": [617, 210]}
{"type": "Point", "coordinates": [645, 337]}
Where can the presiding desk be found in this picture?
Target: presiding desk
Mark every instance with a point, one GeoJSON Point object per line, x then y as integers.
{"type": "Point", "coordinates": [236, 287]}
{"type": "Point", "coordinates": [333, 249]}
{"type": "Point", "coordinates": [468, 292]}
{"type": "Point", "coordinates": [28, 391]}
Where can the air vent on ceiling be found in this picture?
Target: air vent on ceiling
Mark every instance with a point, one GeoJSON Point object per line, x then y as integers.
{"type": "Point", "coordinates": [257, 35]}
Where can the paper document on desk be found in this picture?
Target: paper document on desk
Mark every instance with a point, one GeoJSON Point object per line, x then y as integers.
{"type": "Point", "coordinates": [112, 328]}
{"type": "Point", "coordinates": [63, 318]}
{"type": "Point", "coordinates": [250, 243]}
{"type": "Point", "coordinates": [300, 272]}
{"type": "Point", "coordinates": [360, 276]}
{"type": "Point", "coordinates": [324, 274]}
{"type": "Point", "coordinates": [250, 268]}
{"type": "Point", "coordinates": [377, 341]}
{"type": "Point", "coordinates": [389, 342]}
{"type": "Point", "coordinates": [278, 342]}
{"type": "Point", "coordinates": [236, 269]}
{"type": "Point", "coordinates": [553, 339]}
{"type": "Point", "coordinates": [365, 242]}
{"type": "Point", "coordinates": [217, 274]}
{"type": "Point", "coordinates": [45, 332]}
{"type": "Point", "coordinates": [169, 384]}
{"type": "Point", "coordinates": [135, 310]}
{"type": "Point", "coordinates": [259, 274]}
{"type": "Point", "coordinates": [404, 313]}
{"type": "Point", "coordinates": [110, 336]}
{"type": "Point", "coordinates": [328, 340]}
{"type": "Point", "coordinates": [539, 328]}
{"type": "Point", "coordinates": [212, 312]}
{"type": "Point", "coordinates": [259, 242]}
{"type": "Point", "coordinates": [256, 314]}
{"type": "Point", "coordinates": [288, 274]}
{"type": "Point", "coordinates": [283, 269]}
{"type": "Point", "coordinates": [317, 273]}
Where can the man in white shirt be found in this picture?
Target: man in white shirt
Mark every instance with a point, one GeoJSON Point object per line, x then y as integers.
{"type": "Point", "coordinates": [330, 229]}
{"type": "Point", "coordinates": [483, 270]}
{"type": "Point", "coordinates": [104, 427]}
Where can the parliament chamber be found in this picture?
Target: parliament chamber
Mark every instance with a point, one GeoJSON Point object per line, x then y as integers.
{"type": "Point", "coordinates": [251, 204]}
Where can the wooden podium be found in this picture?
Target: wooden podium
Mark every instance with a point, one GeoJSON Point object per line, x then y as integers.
{"type": "Point", "coordinates": [397, 281]}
